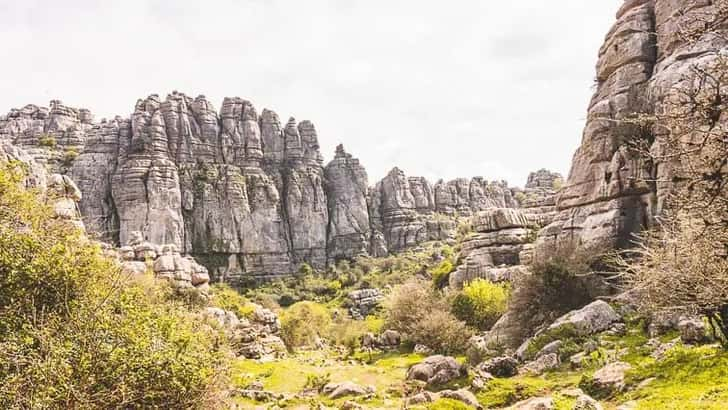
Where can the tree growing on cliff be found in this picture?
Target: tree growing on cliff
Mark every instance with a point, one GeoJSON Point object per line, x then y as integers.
{"type": "Point", "coordinates": [683, 262]}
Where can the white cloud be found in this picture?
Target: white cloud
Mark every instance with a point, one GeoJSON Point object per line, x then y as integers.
{"type": "Point", "coordinates": [443, 90]}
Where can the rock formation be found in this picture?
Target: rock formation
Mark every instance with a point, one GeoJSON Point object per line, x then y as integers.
{"type": "Point", "coordinates": [246, 195]}
{"type": "Point", "coordinates": [606, 197]}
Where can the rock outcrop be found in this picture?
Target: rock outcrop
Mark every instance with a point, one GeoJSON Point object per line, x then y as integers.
{"type": "Point", "coordinates": [609, 194]}
{"type": "Point", "coordinates": [246, 195]}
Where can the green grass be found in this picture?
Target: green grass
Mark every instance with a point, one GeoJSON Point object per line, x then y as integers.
{"type": "Point", "coordinates": [689, 378]}
{"type": "Point", "coordinates": [504, 392]}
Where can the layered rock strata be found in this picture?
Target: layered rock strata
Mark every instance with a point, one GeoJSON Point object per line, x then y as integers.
{"type": "Point", "coordinates": [245, 194]}
{"type": "Point", "coordinates": [611, 191]}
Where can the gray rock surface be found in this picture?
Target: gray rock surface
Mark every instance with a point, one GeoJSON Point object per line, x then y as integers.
{"type": "Point", "coordinates": [462, 395]}
{"type": "Point", "coordinates": [436, 370]}
{"type": "Point", "coordinates": [605, 198]}
{"type": "Point", "coordinates": [503, 366]}
{"type": "Point", "coordinates": [245, 194]}
{"type": "Point", "coordinates": [536, 403]}
{"type": "Point", "coordinates": [609, 379]}
{"type": "Point", "coordinates": [592, 318]}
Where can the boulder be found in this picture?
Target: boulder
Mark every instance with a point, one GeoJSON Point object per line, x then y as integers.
{"type": "Point", "coordinates": [584, 402]}
{"type": "Point", "coordinates": [542, 364]}
{"type": "Point", "coordinates": [607, 380]}
{"type": "Point", "coordinates": [692, 331]}
{"type": "Point", "coordinates": [437, 370]}
{"type": "Point", "coordinates": [462, 395]}
{"type": "Point", "coordinates": [344, 389]}
{"type": "Point", "coordinates": [549, 348]}
{"type": "Point", "coordinates": [503, 366]}
{"type": "Point", "coordinates": [536, 403]}
{"type": "Point", "coordinates": [592, 318]}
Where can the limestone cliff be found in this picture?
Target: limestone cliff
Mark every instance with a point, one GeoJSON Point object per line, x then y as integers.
{"type": "Point", "coordinates": [608, 196]}
{"type": "Point", "coordinates": [246, 195]}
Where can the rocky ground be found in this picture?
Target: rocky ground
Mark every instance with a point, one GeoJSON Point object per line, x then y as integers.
{"type": "Point", "coordinates": [621, 367]}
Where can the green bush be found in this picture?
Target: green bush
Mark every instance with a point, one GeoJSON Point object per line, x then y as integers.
{"type": "Point", "coordinates": [347, 333]}
{"type": "Point", "coordinates": [75, 333]}
{"type": "Point", "coordinates": [303, 323]}
{"type": "Point", "coordinates": [441, 274]}
{"type": "Point", "coordinates": [46, 140]}
{"type": "Point", "coordinates": [69, 156]}
{"type": "Point", "coordinates": [481, 303]}
{"type": "Point", "coordinates": [225, 297]}
{"type": "Point", "coordinates": [423, 317]}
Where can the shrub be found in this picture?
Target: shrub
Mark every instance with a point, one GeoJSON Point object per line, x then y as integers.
{"type": "Point", "coordinates": [441, 274]}
{"type": "Point", "coordinates": [317, 382]}
{"type": "Point", "coordinates": [421, 316]}
{"type": "Point", "coordinates": [227, 298]}
{"type": "Point", "coordinates": [441, 332]}
{"type": "Point", "coordinates": [69, 156]}
{"type": "Point", "coordinates": [303, 324]}
{"type": "Point", "coordinates": [481, 303]}
{"type": "Point", "coordinates": [46, 140]}
{"type": "Point", "coordinates": [74, 333]}
{"type": "Point", "coordinates": [347, 333]}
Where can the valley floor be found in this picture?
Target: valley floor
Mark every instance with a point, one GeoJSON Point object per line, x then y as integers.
{"type": "Point", "coordinates": [685, 378]}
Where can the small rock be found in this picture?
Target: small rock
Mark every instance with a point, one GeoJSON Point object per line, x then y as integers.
{"type": "Point", "coordinates": [422, 349]}
{"type": "Point", "coordinates": [590, 346]}
{"type": "Point", "coordinates": [630, 405]}
{"type": "Point", "coordinates": [504, 366]}
{"type": "Point", "coordinates": [437, 370]}
{"type": "Point", "coordinates": [463, 396]}
{"type": "Point", "coordinates": [692, 331]}
{"type": "Point", "coordinates": [420, 398]}
{"type": "Point", "coordinates": [338, 390]}
{"type": "Point", "coordinates": [644, 383]}
{"type": "Point", "coordinates": [542, 364]}
{"type": "Point", "coordinates": [536, 403]}
{"type": "Point", "coordinates": [584, 402]}
{"type": "Point", "coordinates": [552, 347]}
{"type": "Point", "coordinates": [608, 380]}
{"type": "Point", "coordinates": [577, 359]}
{"type": "Point", "coordinates": [350, 405]}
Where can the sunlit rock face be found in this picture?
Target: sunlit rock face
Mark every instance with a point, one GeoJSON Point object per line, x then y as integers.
{"type": "Point", "coordinates": [605, 198]}
{"type": "Point", "coordinates": [242, 192]}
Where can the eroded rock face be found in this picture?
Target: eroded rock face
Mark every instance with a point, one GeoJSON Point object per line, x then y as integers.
{"type": "Point", "coordinates": [349, 229]}
{"type": "Point", "coordinates": [409, 210]}
{"type": "Point", "coordinates": [437, 370]}
{"type": "Point", "coordinates": [644, 56]}
{"type": "Point", "coordinates": [245, 194]}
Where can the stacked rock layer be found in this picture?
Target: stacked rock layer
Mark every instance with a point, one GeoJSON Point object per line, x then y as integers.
{"type": "Point", "coordinates": [243, 192]}
{"type": "Point", "coordinates": [609, 194]}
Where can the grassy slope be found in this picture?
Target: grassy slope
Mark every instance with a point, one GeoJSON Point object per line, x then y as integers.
{"type": "Point", "coordinates": [689, 378]}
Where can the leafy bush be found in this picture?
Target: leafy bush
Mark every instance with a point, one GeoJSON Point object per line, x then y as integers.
{"type": "Point", "coordinates": [75, 333]}
{"type": "Point", "coordinates": [421, 316]}
{"type": "Point", "coordinates": [562, 280]}
{"type": "Point", "coordinates": [46, 140]}
{"type": "Point", "coordinates": [347, 333]}
{"type": "Point", "coordinates": [441, 274]}
{"type": "Point", "coordinates": [481, 303]}
{"type": "Point", "coordinates": [69, 156]}
{"type": "Point", "coordinates": [227, 298]}
{"type": "Point", "coordinates": [303, 323]}
{"type": "Point", "coordinates": [316, 381]}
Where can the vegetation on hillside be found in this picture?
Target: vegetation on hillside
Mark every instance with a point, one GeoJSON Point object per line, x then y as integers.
{"type": "Point", "coordinates": [75, 333]}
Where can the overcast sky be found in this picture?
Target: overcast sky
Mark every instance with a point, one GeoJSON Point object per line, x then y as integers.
{"type": "Point", "coordinates": [440, 89]}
